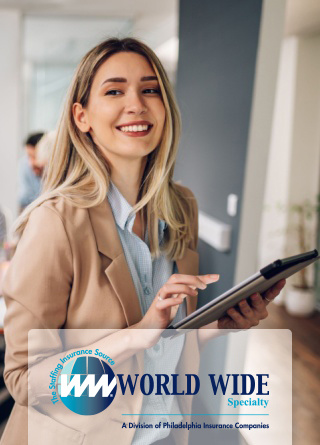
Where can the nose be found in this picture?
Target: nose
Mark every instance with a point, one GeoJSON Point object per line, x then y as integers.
{"type": "Point", "coordinates": [136, 104]}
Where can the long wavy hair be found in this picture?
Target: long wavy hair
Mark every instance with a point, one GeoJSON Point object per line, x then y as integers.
{"type": "Point", "coordinates": [78, 172]}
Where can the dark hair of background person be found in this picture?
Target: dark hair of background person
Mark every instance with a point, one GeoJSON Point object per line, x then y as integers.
{"type": "Point", "coordinates": [33, 138]}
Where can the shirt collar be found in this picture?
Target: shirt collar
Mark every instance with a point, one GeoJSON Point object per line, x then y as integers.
{"type": "Point", "coordinates": [122, 211]}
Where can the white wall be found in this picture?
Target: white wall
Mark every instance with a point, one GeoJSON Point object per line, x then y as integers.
{"type": "Point", "coordinates": [305, 154]}
{"type": "Point", "coordinates": [10, 130]}
{"type": "Point", "coordinates": [272, 236]}
{"type": "Point", "coordinates": [272, 24]}
{"type": "Point", "coordinates": [260, 134]}
{"type": "Point", "coordinates": [304, 178]}
{"type": "Point", "coordinates": [48, 88]}
{"type": "Point", "coordinates": [294, 159]}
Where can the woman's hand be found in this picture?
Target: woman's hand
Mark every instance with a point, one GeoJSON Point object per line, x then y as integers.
{"type": "Point", "coordinates": [249, 315]}
{"type": "Point", "coordinates": [166, 304]}
{"type": "Point", "coordinates": [245, 317]}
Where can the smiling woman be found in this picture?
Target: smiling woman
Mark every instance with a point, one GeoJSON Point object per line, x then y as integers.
{"type": "Point", "coordinates": [120, 84]}
{"type": "Point", "coordinates": [118, 107]}
{"type": "Point", "coordinates": [111, 243]}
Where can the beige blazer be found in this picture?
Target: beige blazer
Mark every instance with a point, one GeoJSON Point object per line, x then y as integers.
{"type": "Point", "coordinates": [70, 271]}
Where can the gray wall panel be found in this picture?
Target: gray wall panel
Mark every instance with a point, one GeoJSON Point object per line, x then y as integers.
{"type": "Point", "coordinates": [215, 79]}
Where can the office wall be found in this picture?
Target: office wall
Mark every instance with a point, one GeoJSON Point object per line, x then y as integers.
{"type": "Point", "coordinates": [226, 84]}
{"type": "Point", "coordinates": [293, 165]}
{"type": "Point", "coordinates": [10, 144]}
{"type": "Point", "coordinates": [215, 82]}
{"type": "Point", "coordinates": [274, 221]}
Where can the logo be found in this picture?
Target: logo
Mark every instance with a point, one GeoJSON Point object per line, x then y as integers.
{"type": "Point", "coordinates": [87, 385]}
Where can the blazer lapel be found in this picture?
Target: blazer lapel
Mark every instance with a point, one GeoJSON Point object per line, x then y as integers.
{"type": "Point", "coordinates": [189, 265]}
{"type": "Point", "coordinates": [118, 273]}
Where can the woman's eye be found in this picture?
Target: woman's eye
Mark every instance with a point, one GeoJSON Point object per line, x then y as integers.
{"type": "Point", "coordinates": [113, 93]}
{"type": "Point", "coordinates": [145, 91]}
{"type": "Point", "coordinates": [152, 91]}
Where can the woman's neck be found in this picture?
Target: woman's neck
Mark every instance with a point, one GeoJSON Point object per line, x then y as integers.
{"type": "Point", "coordinates": [127, 178]}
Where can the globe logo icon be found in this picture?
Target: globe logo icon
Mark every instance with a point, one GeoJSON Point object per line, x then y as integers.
{"type": "Point", "coordinates": [87, 385]}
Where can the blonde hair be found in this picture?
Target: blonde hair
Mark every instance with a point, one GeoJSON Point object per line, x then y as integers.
{"type": "Point", "coordinates": [44, 147]}
{"type": "Point", "coordinates": [78, 172]}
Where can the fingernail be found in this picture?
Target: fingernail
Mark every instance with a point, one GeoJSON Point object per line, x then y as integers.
{"type": "Point", "coordinates": [214, 276]}
{"type": "Point", "coordinates": [202, 286]}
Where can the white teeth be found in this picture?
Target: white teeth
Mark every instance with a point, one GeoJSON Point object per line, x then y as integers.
{"type": "Point", "coordinates": [134, 128]}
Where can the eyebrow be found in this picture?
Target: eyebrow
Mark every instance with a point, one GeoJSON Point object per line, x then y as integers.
{"type": "Point", "coordinates": [123, 79]}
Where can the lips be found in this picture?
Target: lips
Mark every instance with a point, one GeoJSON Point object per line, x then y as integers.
{"type": "Point", "coordinates": [136, 133]}
{"type": "Point", "coordinates": [127, 124]}
{"type": "Point", "coordinates": [135, 128]}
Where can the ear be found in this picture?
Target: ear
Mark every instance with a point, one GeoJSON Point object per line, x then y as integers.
{"type": "Point", "coordinates": [80, 117]}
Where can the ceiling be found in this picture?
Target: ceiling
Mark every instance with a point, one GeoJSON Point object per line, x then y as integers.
{"type": "Point", "coordinates": [64, 40]}
{"type": "Point", "coordinates": [302, 17]}
{"type": "Point", "coordinates": [68, 28]}
{"type": "Point", "coordinates": [99, 8]}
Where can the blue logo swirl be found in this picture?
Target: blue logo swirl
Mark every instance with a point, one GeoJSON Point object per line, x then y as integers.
{"type": "Point", "coordinates": [87, 385]}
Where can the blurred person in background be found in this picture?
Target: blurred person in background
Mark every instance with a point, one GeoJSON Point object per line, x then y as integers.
{"type": "Point", "coordinates": [30, 173]}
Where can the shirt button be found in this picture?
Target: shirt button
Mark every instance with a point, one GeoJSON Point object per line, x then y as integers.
{"type": "Point", "coordinates": [156, 348]}
{"type": "Point", "coordinates": [146, 290]}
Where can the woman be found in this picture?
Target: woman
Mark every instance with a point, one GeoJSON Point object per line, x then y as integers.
{"type": "Point", "coordinates": [117, 262]}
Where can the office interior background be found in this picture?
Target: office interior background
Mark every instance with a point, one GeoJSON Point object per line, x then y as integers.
{"type": "Point", "coordinates": [247, 78]}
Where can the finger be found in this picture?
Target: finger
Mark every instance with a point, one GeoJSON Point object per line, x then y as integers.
{"type": "Point", "coordinates": [248, 313]}
{"type": "Point", "coordinates": [168, 290]}
{"type": "Point", "coordinates": [280, 284]}
{"type": "Point", "coordinates": [245, 309]}
{"type": "Point", "coordinates": [240, 321]}
{"type": "Point", "coordinates": [274, 291]}
{"type": "Point", "coordinates": [169, 302]}
{"type": "Point", "coordinates": [209, 278]}
{"type": "Point", "coordinates": [259, 305]}
{"type": "Point", "coordinates": [225, 322]}
{"type": "Point", "coordinates": [199, 281]}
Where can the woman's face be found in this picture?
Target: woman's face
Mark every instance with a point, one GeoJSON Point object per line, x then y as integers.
{"type": "Point", "coordinates": [125, 114]}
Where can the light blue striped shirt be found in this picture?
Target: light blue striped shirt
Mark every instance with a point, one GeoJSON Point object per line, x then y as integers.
{"type": "Point", "coordinates": [148, 277]}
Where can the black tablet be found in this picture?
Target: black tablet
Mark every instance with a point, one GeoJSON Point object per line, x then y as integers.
{"type": "Point", "coordinates": [259, 282]}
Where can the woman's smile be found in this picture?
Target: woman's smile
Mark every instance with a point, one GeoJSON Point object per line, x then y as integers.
{"type": "Point", "coordinates": [136, 128]}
